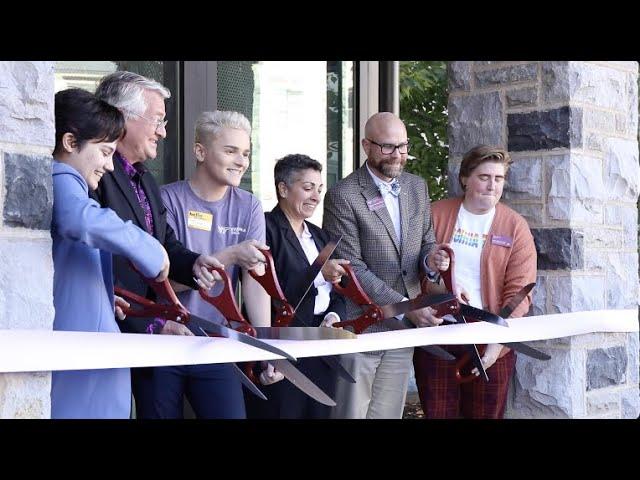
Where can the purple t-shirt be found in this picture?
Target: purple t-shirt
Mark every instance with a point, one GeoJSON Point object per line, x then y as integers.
{"type": "Point", "coordinates": [208, 227]}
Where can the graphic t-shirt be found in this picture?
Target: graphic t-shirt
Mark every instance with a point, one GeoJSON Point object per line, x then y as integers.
{"type": "Point", "coordinates": [208, 227]}
{"type": "Point", "coordinates": [467, 241]}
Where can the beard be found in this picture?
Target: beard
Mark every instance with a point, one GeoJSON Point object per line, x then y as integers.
{"type": "Point", "coordinates": [390, 170]}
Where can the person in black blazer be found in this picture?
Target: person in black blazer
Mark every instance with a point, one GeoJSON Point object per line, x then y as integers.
{"type": "Point", "coordinates": [294, 244]}
{"type": "Point", "coordinates": [132, 192]}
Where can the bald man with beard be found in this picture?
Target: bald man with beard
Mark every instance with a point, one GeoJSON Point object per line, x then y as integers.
{"type": "Point", "coordinates": [384, 215]}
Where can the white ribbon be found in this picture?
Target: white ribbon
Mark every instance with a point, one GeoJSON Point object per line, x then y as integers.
{"type": "Point", "coordinates": [44, 350]}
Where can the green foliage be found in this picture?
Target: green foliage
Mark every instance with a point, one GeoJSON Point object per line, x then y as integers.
{"type": "Point", "coordinates": [423, 108]}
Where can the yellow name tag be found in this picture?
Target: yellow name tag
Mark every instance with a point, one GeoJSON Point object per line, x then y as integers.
{"type": "Point", "coordinates": [200, 220]}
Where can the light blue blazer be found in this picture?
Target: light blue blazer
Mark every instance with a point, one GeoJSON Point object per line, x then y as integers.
{"type": "Point", "coordinates": [84, 237]}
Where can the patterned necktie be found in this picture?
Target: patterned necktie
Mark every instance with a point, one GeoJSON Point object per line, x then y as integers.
{"type": "Point", "coordinates": [393, 188]}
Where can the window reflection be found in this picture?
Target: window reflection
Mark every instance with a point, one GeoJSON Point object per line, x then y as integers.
{"type": "Point", "coordinates": [294, 107]}
{"type": "Point", "coordinates": [87, 75]}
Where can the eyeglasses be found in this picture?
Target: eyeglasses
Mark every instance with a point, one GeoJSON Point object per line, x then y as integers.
{"type": "Point", "coordinates": [388, 148]}
{"type": "Point", "coordinates": [158, 123]}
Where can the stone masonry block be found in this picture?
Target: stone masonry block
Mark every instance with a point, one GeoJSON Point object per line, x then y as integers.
{"type": "Point", "coordinates": [473, 120]}
{"type": "Point", "coordinates": [29, 199]}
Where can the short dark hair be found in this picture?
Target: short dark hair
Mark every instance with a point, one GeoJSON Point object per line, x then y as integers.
{"type": "Point", "coordinates": [479, 155]}
{"type": "Point", "coordinates": [87, 117]}
{"type": "Point", "coordinates": [288, 165]}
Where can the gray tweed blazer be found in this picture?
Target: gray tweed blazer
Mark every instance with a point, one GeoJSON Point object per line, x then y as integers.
{"type": "Point", "coordinates": [387, 270]}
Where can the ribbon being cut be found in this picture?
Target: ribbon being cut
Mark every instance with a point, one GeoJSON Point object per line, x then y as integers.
{"type": "Point", "coordinates": [43, 350]}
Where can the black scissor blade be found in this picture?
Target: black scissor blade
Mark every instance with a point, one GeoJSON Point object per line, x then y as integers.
{"type": "Point", "coordinates": [310, 274]}
{"type": "Point", "coordinates": [395, 324]}
{"type": "Point", "coordinates": [437, 351]}
{"type": "Point", "coordinates": [312, 333]}
{"type": "Point", "coordinates": [301, 381]}
{"type": "Point", "coordinates": [473, 351]}
{"type": "Point", "coordinates": [333, 363]}
{"type": "Point", "coordinates": [482, 315]}
{"type": "Point", "coordinates": [248, 384]}
{"type": "Point", "coordinates": [516, 300]}
{"type": "Point", "coordinates": [527, 350]}
{"type": "Point", "coordinates": [421, 301]}
{"type": "Point", "coordinates": [232, 334]}
{"type": "Point", "coordinates": [476, 360]}
{"type": "Point", "coordinates": [506, 312]}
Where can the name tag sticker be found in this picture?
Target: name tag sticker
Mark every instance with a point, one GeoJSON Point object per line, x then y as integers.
{"type": "Point", "coordinates": [501, 241]}
{"type": "Point", "coordinates": [200, 220]}
{"type": "Point", "coordinates": [375, 203]}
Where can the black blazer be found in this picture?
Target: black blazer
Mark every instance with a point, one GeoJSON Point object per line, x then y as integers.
{"type": "Point", "coordinates": [290, 261]}
{"type": "Point", "coordinates": [114, 191]}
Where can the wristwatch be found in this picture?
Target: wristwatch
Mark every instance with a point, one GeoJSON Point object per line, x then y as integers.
{"type": "Point", "coordinates": [433, 277]}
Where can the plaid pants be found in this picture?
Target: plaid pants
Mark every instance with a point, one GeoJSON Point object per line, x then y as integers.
{"type": "Point", "coordinates": [442, 396]}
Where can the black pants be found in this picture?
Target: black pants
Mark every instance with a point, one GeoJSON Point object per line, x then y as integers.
{"type": "Point", "coordinates": [214, 391]}
{"type": "Point", "coordinates": [287, 401]}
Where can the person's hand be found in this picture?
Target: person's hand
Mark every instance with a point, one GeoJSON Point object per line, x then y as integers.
{"type": "Point", "coordinates": [175, 328]}
{"type": "Point", "coordinates": [248, 254]}
{"type": "Point", "coordinates": [164, 272]}
{"type": "Point", "coordinates": [463, 296]}
{"type": "Point", "coordinates": [489, 358]}
{"type": "Point", "coordinates": [424, 317]}
{"type": "Point", "coordinates": [332, 270]}
{"type": "Point", "coordinates": [202, 274]}
{"type": "Point", "coordinates": [329, 319]}
{"type": "Point", "coordinates": [438, 259]}
{"type": "Point", "coordinates": [270, 375]}
{"type": "Point", "coordinates": [120, 303]}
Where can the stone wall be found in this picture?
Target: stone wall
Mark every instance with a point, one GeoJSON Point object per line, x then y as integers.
{"type": "Point", "coordinates": [572, 130]}
{"type": "Point", "coordinates": [27, 136]}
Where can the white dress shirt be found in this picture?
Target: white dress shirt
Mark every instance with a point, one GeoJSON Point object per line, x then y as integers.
{"type": "Point", "coordinates": [324, 288]}
{"type": "Point", "coordinates": [392, 202]}
{"type": "Point", "coordinates": [393, 207]}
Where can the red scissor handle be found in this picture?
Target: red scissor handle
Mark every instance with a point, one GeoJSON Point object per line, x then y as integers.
{"type": "Point", "coordinates": [448, 276]}
{"type": "Point", "coordinates": [371, 315]}
{"type": "Point", "coordinates": [463, 362]}
{"type": "Point", "coordinates": [353, 290]}
{"type": "Point", "coordinates": [148, 308]}
{"type": "Point", "coordinates": [226, 304]}
{"type": "Point", "coordinates": [269, 281]}
{"type": "Point", "coordinates": [372, 312]}
{"type": "Point", "coordinates": [173, 310]}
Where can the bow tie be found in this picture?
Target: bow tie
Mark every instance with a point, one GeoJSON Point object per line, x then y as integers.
{"type": "Point", "coordinates": [393, 188]}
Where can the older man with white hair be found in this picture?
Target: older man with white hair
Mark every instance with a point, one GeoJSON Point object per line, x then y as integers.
{"type": "Point", "coordinates": [132, 192]}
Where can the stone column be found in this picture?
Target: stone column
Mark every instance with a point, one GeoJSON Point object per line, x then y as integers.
{"type": "Point", "coordinates": [27, 136]}
{"type": "Point", "coordinates": [572, 130]}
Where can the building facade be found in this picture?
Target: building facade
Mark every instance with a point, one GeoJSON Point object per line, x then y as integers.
{"type": "Point", "coordinates": [571, 126]}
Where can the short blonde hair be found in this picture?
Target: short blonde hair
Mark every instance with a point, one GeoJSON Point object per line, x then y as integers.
{"type": "Point", "coordinates": [208, 124]}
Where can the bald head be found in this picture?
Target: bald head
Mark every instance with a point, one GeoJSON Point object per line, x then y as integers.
{"type": "Point", "coordinates": [385, 139]}
{"type": "Point", "coordinates": [381, 122]}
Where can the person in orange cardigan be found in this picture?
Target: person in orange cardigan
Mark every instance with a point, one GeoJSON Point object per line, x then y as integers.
{"type": "Point", "coordinates": [495, 257]}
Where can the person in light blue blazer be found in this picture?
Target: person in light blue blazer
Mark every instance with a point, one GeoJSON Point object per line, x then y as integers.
{"type": "Point", "coordinates": [84, 238]}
